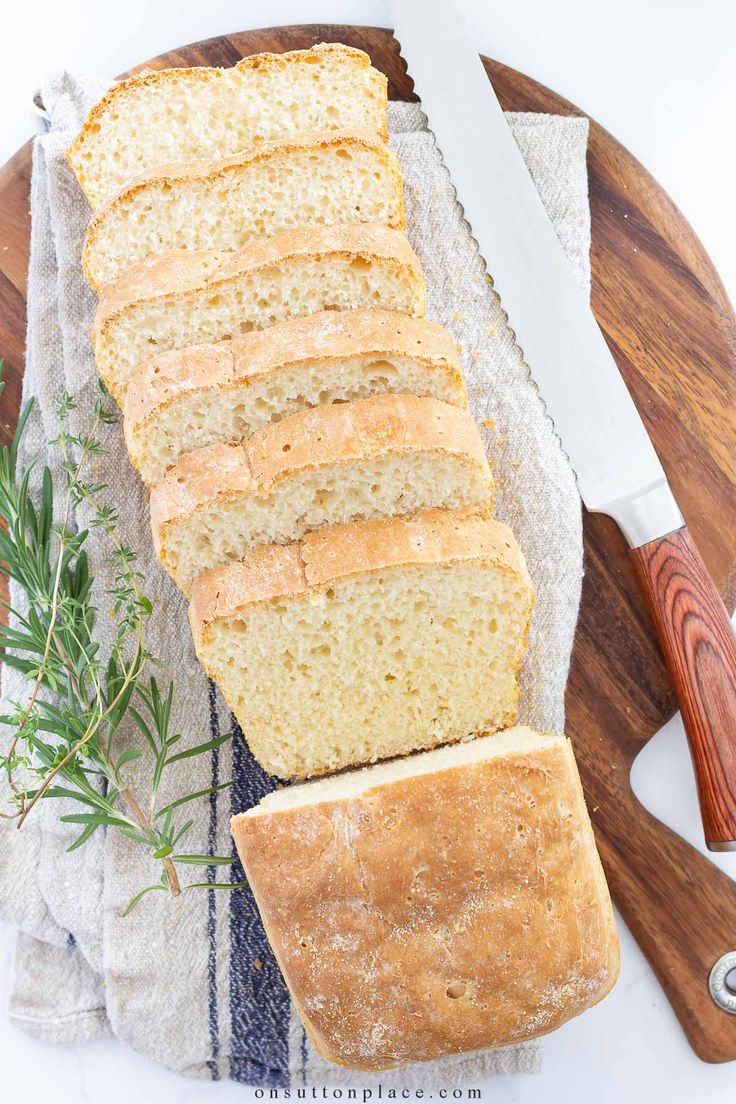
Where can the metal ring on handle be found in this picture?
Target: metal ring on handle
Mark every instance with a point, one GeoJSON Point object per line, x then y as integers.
{"type": "Point", "coordinates": [722, 991]}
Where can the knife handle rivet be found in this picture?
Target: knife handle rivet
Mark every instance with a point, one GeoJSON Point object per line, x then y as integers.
{"type": "Point", "coordinates": [722, 982]}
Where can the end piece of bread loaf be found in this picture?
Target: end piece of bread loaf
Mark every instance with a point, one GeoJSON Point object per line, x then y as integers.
{"type": "Point", "coordinates": [196, 297]}
{"type": "Point", "coordinates": [367, 640]}
{"type": "Point", "coordinates": [323, 178]}
{"type": "Point", "coordinates": [439, 904]}
{"type": "Point", "coordinates": [377, 457]}
{"type": "Point", "coordinates": [189, 398]}
{"type": "Point", "coordinates": [181, 114]}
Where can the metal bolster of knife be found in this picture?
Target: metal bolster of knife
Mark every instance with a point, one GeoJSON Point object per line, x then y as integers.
{"type": "Point", "coordinates": [643, 517]}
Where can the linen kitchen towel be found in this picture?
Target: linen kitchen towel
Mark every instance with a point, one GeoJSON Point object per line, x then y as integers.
{"type": "Point", "coordinates": [192, 982]}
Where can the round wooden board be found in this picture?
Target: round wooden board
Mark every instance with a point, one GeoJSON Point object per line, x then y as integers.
{"type": "Point", "coordinates": [672, 331]}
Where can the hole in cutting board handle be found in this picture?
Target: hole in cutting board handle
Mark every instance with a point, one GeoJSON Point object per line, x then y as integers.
{"type": "Point", "coordinates": [722, 983]}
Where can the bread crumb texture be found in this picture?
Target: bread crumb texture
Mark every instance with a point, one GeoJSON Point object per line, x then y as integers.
{"type": "Point", "coordinates": [367, 640]}
{"type": "Point", "coordinates": [189, 398]}
{"type": "Point", "coordinates": [196, 297]}
{"type": "Point", "coordinates": [312, 179]}
{"type": "Point", "coordinates": [377, 457]}
{"type": "Point", "coordinates": [169, 115]}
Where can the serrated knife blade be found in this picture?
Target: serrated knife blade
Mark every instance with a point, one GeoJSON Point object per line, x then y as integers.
{"type": "Point", "coordinates": [604, 437]}
{"type": "Point", "coordinates": [617, 469]}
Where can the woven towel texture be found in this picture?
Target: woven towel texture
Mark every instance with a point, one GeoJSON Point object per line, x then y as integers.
{"type": "Point", "coordinates": [192, 983]}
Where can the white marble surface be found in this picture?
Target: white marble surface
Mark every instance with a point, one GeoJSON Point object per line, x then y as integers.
{"type": "Point", "coordinates": [660, 76]}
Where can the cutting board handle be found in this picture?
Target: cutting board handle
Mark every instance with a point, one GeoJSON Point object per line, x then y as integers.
{"type": "Point", "coordinates": [680, 909]}
{"type": "Point", "coordinates": [699, 647]}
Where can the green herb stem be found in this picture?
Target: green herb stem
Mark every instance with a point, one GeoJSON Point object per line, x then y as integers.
{"type": "Point", "coordinates": [64, 739]}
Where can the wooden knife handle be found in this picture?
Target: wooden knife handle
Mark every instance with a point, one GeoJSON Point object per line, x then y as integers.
{"type": "Point", "coordinates": [699, 647]}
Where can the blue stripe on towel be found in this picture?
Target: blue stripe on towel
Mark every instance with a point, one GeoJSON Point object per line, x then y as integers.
{"type": "Point", "coordinates": [304, 1056]}
{"type": "Point", "coordinates": [259, 999]}
{"type": "Point", "coordinates": [212, 1011]}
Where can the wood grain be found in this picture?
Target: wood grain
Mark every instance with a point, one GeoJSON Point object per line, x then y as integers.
{"type": "Point", "coordinates": [699, 647]}
{"type": "Point", "coordinates": [671, 329]}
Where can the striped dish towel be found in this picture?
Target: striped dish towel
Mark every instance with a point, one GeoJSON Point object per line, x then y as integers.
{"type": "Point", "coordinates": [192, 983]}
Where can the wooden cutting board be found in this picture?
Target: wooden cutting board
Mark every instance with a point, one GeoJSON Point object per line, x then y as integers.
{"type": "Point", "coordinates": [672, 331]}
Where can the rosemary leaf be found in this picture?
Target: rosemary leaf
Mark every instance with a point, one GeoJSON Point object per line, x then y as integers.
{"type": "Point", "coordinates": [134, 901]}
{"type": "Point", "coordinates": [191, 797]}
{"type": "Point", "coordinates": [204, 860]}
{"type": "Point", "coordinates": [215, 885]}
{"type": "Point", "coordinates": [199, 749]}
{"type": "Point", "coordinates": [62, 740]}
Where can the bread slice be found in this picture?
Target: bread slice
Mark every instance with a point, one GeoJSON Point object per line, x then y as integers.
{"type": "Point", "coordinates": [386, 455]}
{"type": "Point", "coordinates": [367, 640]}
{"type": "Point", "coordinates": [196, 297]}
{"type": "Point", "coordinates": [179, 114]}
{"type": "Point", "coordinates": [443, 903]}
{"type": "Point", "coordinates": [188, 398]}
{"type": "Point", "coordinates": [322, 178]}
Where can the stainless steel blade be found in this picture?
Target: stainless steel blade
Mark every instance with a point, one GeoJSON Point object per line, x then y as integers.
{"type": "Point", "coordinates": [617, 469]}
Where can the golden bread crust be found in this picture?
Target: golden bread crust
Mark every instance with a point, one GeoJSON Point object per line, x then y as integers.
{"type": "Point", "coordinates": [184, 273]}
{"type": "Point", "coordinates": [153, 80]}
{"type": "Point", "coordinates": [202, 172]}
{"type": "Point", "coordinates": [438, 913]}
{"type": "Point", "coordinates": [327, 336]}
{"type": "Point", "coordinates": [323, 436]}
{"type": "Point", "coordinates": [270, 572]}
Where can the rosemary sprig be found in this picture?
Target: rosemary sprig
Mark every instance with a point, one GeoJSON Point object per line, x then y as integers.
{"type": "Point", "coordinates": [64, 741]}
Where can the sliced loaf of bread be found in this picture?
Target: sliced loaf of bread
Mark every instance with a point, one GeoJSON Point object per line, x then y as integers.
{"type": "Point", "coordinates": [188, 398]}
{"type": "Point", "coordinates": [441, 903]}
{"type": "Point", "coordinates": [377, 457]}
{"type": "Point", "coordinates": [310, 179]}
{"type": "Point", "coordinates": [179, 114]}
{"type": "Point", "coordinates": [367, 640]}
{"type": "Point", "coordinates": [196, 297]}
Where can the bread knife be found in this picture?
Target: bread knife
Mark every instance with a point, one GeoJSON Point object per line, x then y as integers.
{"type": "Point", "coordinates": [617, 469]}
